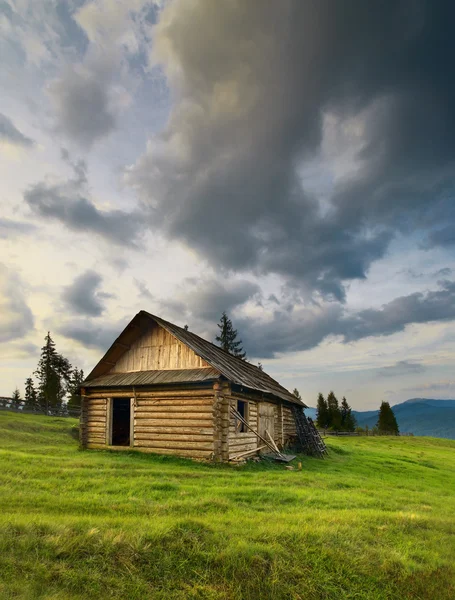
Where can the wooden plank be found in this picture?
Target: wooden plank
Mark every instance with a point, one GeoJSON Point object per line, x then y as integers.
{"type": "Point", "coordinates": [148, 394]}
{"type": "Point", "coordinates": [248, 453]}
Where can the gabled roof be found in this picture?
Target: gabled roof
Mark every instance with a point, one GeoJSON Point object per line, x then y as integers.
{"type": "Point", "coordinates": [234, 369]}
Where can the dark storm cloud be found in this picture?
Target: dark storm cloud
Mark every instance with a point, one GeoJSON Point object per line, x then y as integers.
{"type": "Point", "coordinates": [257, 92]}
{"type": "Point", "coordinates": [91, 333]}
{"type": "Point", "coordinates": [303, 328]}
{"type": "Point", "coordinates": [400, 368]}
{"type": "Point", "coordinates": [208, 299]}
{"type": "Point", "coordinates": [83, 296]}
{"type": "Point", "coordinates": [68, 205]}
{"type": "Point", "coordinates": [83, 107]}
{"type": "Point", "coordinates": [10, 133]}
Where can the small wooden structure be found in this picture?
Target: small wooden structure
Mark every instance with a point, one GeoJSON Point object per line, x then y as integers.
{"type": "Point", "coordinates": [160, 388]}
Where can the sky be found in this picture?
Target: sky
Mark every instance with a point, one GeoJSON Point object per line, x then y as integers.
{"type": "Point", "coordinates": [291, 163]}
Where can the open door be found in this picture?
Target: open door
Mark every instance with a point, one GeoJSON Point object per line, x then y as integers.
{"type": "Point", "coordinates": [121, 421]}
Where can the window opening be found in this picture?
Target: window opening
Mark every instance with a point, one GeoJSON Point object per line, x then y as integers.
{"type": "Point", "coordinates": [121, 420]}
{"type": "Point", "coordinates": [242, 409]}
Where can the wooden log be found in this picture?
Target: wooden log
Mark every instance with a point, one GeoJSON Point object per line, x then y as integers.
{"type": "Point", "coordinates": [173, 423]}
{"type": "Point", "coordinates": [194, 416]}
{"type": "Point", "coordinates": [178, 430]}
{"type": "Point", "coordinates": [177, 402]}
{"type": "Point", "coordinates": [158, 408]}
{"type": "Point", "coordinates": [172, 437]}
{"type": "Point", "coordinates": [248, 453]}
{"type": "Point", "coordinates": [271, 440]}
{"type": "Point", "coordinates": [183, 445]}
{"type": "Point", "coordinates": [201, 454]}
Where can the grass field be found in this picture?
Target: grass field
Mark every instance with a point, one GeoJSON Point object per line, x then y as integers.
{"type": "Point", "coordinates": [374, 520]}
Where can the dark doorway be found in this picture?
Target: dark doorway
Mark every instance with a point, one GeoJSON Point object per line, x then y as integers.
{"type": "Point", "coordinates": [121, 421]}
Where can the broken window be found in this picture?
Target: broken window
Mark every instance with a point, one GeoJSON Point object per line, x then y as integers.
{"type": "Point", "coordinates": [242, 409]}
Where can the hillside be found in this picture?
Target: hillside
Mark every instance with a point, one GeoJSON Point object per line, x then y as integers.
{"type": "Point", "coordinates": [420, 416]}
{"type": "Point", "coordinates": [375, 520]}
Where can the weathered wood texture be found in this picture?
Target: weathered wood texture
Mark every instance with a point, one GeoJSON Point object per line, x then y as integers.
{"type": "Point", "coordinates": [95, 417]}
{"type": "Point", "coordinates": [289, 428]}
{"type": "Point", "coordinates": [157, 349]}
{"type": "Point", "coordinates": [245, 441]}
{"type": "Point", "coordinates": [178, 425]}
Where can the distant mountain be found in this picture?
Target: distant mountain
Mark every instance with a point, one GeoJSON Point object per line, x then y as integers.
{"type": "Point", "coordinates": [420, 416]}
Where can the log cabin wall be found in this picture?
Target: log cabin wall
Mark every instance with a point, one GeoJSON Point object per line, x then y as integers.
{"type": "Point", "coordinates": [157, 349]}
{"type": "Point", "coordinates": [289, 428]}
{"type": "Point", "coordinates": [94, 421]}
{"type": "Point", "coordinates": [179, 421]}
{"type": "Point", "coordinates": [243, 441]}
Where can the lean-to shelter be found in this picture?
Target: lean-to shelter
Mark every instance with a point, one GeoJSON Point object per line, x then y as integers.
{"type": "Point", "coordinates": [161, 388]}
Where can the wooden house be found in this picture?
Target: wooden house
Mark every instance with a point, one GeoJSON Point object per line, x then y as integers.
{"type": "Point", "coordinates": [160, 388]}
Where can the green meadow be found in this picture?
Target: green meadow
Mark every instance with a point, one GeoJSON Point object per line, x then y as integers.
{"type": "Point", "coordinates": [375, 520]}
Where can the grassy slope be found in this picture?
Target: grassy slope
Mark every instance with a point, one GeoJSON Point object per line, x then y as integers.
{"type": "Point", "coordinates": [375, 520]}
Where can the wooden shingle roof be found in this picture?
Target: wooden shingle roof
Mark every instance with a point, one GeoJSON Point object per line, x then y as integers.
{"type": "Point", "coordinates": [234, 369]}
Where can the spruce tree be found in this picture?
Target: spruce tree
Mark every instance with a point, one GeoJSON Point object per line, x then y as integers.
{"type": "Point", "coordinates": [297, 394]}
{"type": "Point", "coordinates": [348, 422]}
{"type": "Point", "coordinates": [31, 398]}
{"type": "Point", "coordinates": [387, 422]}
{"type": "Point", "coordinates": [53, 374]}
{"type": "Point", "coordinates": [322, 413]}
{"type": "Point", "coordinates": [228, 338]}
{"type": "Point", "coordinates": [77, 377]}
{"type": "Point", "coordinates": [334, 412]}
{"type": "Point", "coordinates": [16, 400]}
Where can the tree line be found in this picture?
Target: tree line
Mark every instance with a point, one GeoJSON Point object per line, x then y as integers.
{"type": "Point", "coordinates": [330, 414]}
{"type": "Point", "coordinates": [53, 388]}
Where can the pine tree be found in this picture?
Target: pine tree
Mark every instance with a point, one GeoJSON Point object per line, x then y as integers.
{"type": "Point", "coordinates": [16, 400]}
{"type": "Point", "coordinates": [53, 373]}
{"type": "Point", "coordinates": [387, 422]}
{"type": "Point", "coordinates": [297, 394]}
{"type": "Point", "coordinates": [228, 338]}
{"type": "Point", "coordinates": [77, 377]}
{"type": "Point", "coordinates": [348, 422]}
{"type": "Point", "coordinates": [322, 413]}
{"type": "Point", "coordinates": [334, 412]}
{"type": "Point", "coordinates": [31, 398]}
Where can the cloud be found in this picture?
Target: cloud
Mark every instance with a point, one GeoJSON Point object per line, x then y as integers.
{"type": "Point", "coordinates": [10, 228]}
{"type": "Point", "coordinates": [9, 133]}
{"type": "Point", "coordinates": [83, 104]}
{"type": "Point", "coordinates": [92, 334]}
{"type": "Point", "coordinates": [68, 203]}
{"type": "Point", "coordinates": [263, 97]}
{"type": "Point", "coordinates": [144, 292]}
{"type": "Point", "coordinates": [400, 368]}
{"type": "Point", "coordinates": [16, 318]}
{"type": "Point", "coordinates": [83, 296]}
{"type": "Point", "coordinates": [305, 327]}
